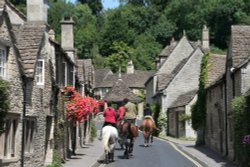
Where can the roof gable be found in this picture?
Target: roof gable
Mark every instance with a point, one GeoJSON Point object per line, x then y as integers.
{"type": "Point", "coordinates": [216, 68]}
{"type": "Point", "coordinates": [119, 92]}
{"type": "Point", "coordinates": [29, 40]}
{"type": "Point", "coordinates": [240, 44]}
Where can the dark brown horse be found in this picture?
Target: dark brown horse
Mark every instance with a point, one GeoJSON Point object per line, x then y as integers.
{"type": "Point", "coordinates": [128, 134]}
{"type": "Point", "coordinates": [147, 127]}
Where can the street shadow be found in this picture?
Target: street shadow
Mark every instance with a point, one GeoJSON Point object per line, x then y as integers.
{"type": "Point", "coordinates": [75, 157]}
{"type": "Point", "coordinates": [213, 155]}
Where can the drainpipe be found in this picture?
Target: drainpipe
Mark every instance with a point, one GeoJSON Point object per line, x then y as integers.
{"type": "Point", "coordinates": [23, 120]}
{"type": "Point", "coordinates": [226, 116]}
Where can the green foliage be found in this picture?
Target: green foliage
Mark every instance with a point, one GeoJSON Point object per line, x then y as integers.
{"type": "Point", "coordinates": [57, 160]}
{"type": "Point", "coordinates": [4, 102]}
{"type": "Point", "coordinates": [159, 117]}
{"type": "Point", "coordinates": [93, 130]}
{"type": "Point", "coordinates": [122, 54]}
{"type": "Point", "coordinates": [183, 117]}
{"type": "Point", "coordinates": [240, 108]}
{"type": "Point", "coordinates": [94, 5]}
{"type": "Point", "coordinates": [199, 108]}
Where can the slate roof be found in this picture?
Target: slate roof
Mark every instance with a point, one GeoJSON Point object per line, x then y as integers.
{"type": "Point", "coordinates": [120, 91]}
{"type": "Point", "coordinates": [135, 80]}
{"type": "Point", "coordinates": [100, 75]}
{"type": "Point", "coordinates": [184, 99]}
{"type": "Point", "coordinates": [240, 40]}
{"type": "Point", "coordinates": [216, 68]}
{"type": "Point", "coordinates": [29, 40]}
{"type": "Point", "coordinates": [163, 80]}
{"type": "Point", "coordinates": [168, 49]}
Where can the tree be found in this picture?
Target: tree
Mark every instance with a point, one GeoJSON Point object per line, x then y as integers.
{"type": "Point", "coordinates": [95, 5]}
{"type": "Point", "coordinates": [122, 54]}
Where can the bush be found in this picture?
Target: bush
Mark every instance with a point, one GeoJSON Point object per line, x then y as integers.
{"type": "Point", "coordinates": [57, 160]}
{"type": "Point", "coordinates": [4, 102]}
{"type": "Point", "coordinates": [93, 130]}
{"type": "Point", "coordinates": [240, 107]}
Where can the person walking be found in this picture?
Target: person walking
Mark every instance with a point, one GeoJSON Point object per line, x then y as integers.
{"type": "Point", "coordinates": [110, 116]}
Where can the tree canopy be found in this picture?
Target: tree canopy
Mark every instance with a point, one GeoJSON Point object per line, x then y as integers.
{"type": "Point", "coordinates": [145, 26]}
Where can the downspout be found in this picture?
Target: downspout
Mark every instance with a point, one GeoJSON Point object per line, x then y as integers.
{"type": "Point", "coordinates": [225, 115]}
{"type": "Point", "coordinates": [23, 119]}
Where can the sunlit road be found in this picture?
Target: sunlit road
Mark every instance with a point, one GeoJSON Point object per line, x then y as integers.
{"type": "Point", "coordinates": [160, 154]}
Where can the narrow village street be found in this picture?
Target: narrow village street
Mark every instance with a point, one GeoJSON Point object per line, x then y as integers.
{"type": "Point", "coordinates": [164, 152]}
{"type": "Point", "coordinates": [70, 69]}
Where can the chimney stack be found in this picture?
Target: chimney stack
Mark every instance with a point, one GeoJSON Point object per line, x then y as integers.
{"type": "Point", "coordinates": [67, 34]}
{"type": "Point", "coordinates": [130, 67]}
{"type": "Point", "coordinates": [205, 38]}
{"type": "Point", "coordinates": [37, 10]}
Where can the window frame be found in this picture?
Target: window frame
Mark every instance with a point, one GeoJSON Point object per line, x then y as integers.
{"type": "Point", "coordinates": [40, 76]}
{"type": "Point", "coordinates": [3, 57]}
{"type": "Point", "coordinates": [10, 138]}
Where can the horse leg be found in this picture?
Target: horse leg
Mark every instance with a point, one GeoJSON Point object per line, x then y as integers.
{"type": "Point", "coordinates": [106, 157]}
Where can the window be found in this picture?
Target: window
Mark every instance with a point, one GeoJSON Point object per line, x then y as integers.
{"type": "Point", "coordinates": [10, 138]}
{"type": "Point", "coordinates": [2, 63]}
{"type": "Point", "coordinates": [29, 134]}
{"type": "Point", "coordinates": [40, 72]}
{"type": "Point", "coordinates": [65, 74]}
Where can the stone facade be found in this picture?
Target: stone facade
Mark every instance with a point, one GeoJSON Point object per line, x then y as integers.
{"type": "Point", "coordinates": [36, 68]}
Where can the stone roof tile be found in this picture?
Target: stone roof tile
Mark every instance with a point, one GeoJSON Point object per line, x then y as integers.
{"type": "Point", "coordinates": [216, 68]}
{"type": "Point", "coordinates": [29, 39]}
{"type": "Point", "coordinates": [184, 99]}
{"type": "Point", "coordinates": [240, 44]}
{"type": "Point", "coordinates": [120, 91]}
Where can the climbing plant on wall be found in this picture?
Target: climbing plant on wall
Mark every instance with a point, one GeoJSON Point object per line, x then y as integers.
{"type": "Point", "coordinates": [199, 108]}
{"type": "Point", "coordinates": [4, 102]}
{"type": "Point", "coordinates": [240, 107]}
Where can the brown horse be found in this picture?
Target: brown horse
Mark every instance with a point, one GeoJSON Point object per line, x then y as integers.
{"type": "Point", "coordinates": [128, 134]}
{"type": "Point", "coordinates": [148, 127]}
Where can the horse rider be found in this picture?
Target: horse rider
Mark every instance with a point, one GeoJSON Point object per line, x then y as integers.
{"type": "Point", "coordinates": [121, 112]}
{"type": "Point", "coordinates": [148, 114]}
{"type": "Point", "coordinates": [130, 112]}
{"type": "Point", "coordinates": [110, 116]}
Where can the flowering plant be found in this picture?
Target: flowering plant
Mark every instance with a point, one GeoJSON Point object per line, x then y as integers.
{"type": "Point", "coordinates": [67, 89]}
{"type": "Point", "coordinates": [80, 107]}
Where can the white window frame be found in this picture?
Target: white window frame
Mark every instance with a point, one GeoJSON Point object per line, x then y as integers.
{"type": "Point", "coordinates": [3, 62]}
{"type": "Point", "coordinates": [40, 75]}
{"type": "Point", "coordinates": [65, 73]}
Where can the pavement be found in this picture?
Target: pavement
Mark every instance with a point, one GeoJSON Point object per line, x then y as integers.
{"type": "Point", "coordinates": [202, 154]}
{"type": "Point", "coordinates": [86, 156]}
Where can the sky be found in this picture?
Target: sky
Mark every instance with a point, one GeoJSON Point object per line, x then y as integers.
{"type": "Point", "coordinates": [107, 4]}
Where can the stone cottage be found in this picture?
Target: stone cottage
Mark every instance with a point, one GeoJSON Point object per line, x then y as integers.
{"type": "Point", "coordinates": [134, 79]}
{"type": "Point", "coordinates": [179, 116]}
{"type": "Point", "coordinates": [33, 63]}
{"type": "Point", "coordinates": [178, 69]}
{"type": "Point", "coordinates": [237, 75]}
{"type": "Point", "coordinates": [215, 136]}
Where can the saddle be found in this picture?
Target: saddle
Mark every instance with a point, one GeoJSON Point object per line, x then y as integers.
{"type": "Point", "coordinates": [129, 129]}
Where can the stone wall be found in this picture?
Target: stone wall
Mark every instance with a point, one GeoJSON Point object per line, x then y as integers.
{"type": "Point", "coordinates": [215, 121]}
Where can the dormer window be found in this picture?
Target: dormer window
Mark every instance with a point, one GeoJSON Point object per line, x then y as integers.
{"type": "Point", "coordinates": [40, 72]}
{"type": "Point", "coordinates": [2, 62]}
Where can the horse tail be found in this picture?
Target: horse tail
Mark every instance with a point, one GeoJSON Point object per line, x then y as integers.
{"type": "Point", "coordinates": [110, 135]}
{"type": "Point", "coordinates": [105, 139]}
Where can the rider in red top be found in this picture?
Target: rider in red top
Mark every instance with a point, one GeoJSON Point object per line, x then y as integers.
{"type": "Point", "coordinates": [109, 115]}
{"type": "Point", "coordinates": [121, 111]}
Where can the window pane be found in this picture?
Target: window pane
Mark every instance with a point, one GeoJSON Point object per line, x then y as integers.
{"type": "Point", "coordinates": [13, 145]}
{"type": "Point", "coordinates": [7, 138]}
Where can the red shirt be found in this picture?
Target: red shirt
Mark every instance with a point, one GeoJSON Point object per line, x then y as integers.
{"type": "Point", "coordinates": [121, 111]}
{"type": "Point", "coordinates": [110, 115]}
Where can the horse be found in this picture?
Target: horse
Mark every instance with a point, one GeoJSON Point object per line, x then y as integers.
{"type": "Point", "coordinates": [128, 134]}
{"type": "Point", "coordinates": [148, 128]}
{"type": "Point", "coordinates": [110, 136]}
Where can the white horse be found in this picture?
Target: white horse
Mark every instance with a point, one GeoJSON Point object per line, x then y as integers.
{"type": "Point", "coordinates": [110, 136]}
